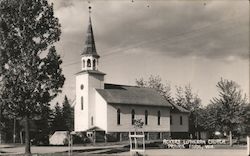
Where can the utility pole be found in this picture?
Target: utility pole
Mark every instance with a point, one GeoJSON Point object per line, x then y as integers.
{"type": "Point", "coordinates": [0, 121]}
{"type": "Point", "coordinates": [248, 146]}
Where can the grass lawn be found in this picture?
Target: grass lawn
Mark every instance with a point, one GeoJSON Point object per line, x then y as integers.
{"type": "Point", "coordinates": [123, 149]}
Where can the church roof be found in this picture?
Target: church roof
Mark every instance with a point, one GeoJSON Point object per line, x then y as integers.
{"type": "Point", "coordinates": [95, 128]}
{"type": "Point", "coordinates": [178, 109]}
{"type": "Point", "coordinates": [91, 72]}
{"type": "Point", "coordinates": [132, 95]}
{"type": "Point", "coordinates": [90, 48]}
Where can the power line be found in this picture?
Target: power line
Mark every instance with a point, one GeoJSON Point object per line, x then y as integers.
{"type": "Point", "coordinates": [122, 49]}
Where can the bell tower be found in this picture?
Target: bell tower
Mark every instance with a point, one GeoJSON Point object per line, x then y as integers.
{"type": "Point", "coordinates": [87, 81]}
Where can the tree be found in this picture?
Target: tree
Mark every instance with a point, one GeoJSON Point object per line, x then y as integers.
{"type": "Point", "coordinates": [155, 82]}
{"type": "Point", "coordinates": [230, 106]}
{"type": "Point", "coordinates": [57, 122]}
{"type": "Point", "coordinates": [2, 124]}
{"type": "Point", "coordinates": [246, 123]}
{"type": "Point", "coordinates": [44, 125]}
{"type": "Point", "coordinates": [67, 115]}
{"type": "Point", "coordinates": [208, 118]}
{"type": "Point", "coordinates": [30, 67]}
{"type": "Point", "coordinates": [190, 101]}
{"type": "Point", "coordinates": [63, 117]}
{"type": "Point", "coordinates": [138, 123]}
{"type": "Point", "coordinates": [180, 97]}
{"type": "Point", "coordinates": [184, 97]}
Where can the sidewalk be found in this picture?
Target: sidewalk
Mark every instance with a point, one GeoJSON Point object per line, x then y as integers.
{"type": "Point", "coordinates": [191, 152]}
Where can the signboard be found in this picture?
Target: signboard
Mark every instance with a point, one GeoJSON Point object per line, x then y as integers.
{"type": "Point", "coordinates": [194, 144]}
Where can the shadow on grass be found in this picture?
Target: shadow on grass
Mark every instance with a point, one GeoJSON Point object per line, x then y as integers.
{"type": "Point", "coordinates": [95, 151]}
{"type": "Point", "coordinates": [115, 151]}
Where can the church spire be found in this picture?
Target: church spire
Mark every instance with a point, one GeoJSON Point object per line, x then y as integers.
{"type": "Point", "coordinates": [89, 54]}
{"type": "Point", "coordinates": [90, 48]}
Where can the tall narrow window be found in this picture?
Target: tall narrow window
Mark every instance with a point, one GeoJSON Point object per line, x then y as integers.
{"type": "Point", "coordinates": [118, 116]}
{"type": "Point", "coordinates": [132, 116]}
{"type": "Point", "coordinates": [146, 135]}
{"type": "Point", "coordinates": [88, 63]}
{"type": "Point", "coordinates": [146, 117]}
{"type": "Point", "coordinates": [94, 64]}
{"type": "Point", "coordinates": [92, 120]}
{"type": "Point", "coordinates": [83, 63]}
{"type": "Point", "coordinates": [171, 122]}
{"type": "Point", "coordinates": [159, 135]}
{"type": "Point", "coordinates": [180, 120]}
{"type": "Point", "coordinates": [82, 102]}
{"type": "Point", "coordinates": [159, 118]}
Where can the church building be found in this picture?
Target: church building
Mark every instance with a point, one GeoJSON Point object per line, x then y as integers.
{"type": "Point", "coordinates": [112, 108]}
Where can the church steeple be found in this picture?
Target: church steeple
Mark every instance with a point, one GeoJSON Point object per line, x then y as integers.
{"type": "Point", "coordinates": [89, 54]}
{"type": "Point", "coordinates": [87, 81]}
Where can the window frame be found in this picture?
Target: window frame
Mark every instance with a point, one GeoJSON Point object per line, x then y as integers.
{"type": "Point", "coordinates": [181, 120]}
{"type": "Point", "coordinates": [146, 117]}
{"type": "Point", "coordinates": [132, 116]}
{"type": "Point", "coordinates": [82, 103]}
{"type": "Point", "coordinates": [92, 120]}
{"type": "Point", "coordinates": [88, 63]}
{"type": "Point", "coordinates": [118, 117]}
{"type": "Point", "coordinates": [159, 118]}
{"type": "Point", "coordinates": [171, 120]}
{"type": "Point", "coordinates": [94, 64]}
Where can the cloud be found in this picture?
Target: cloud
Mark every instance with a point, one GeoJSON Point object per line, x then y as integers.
{"type": "Point", "coordinates": [211, 40]}
{"type": "Point", "coordinates": [58, 4]}
{"type": "Point", "coordinates": [217, 30]}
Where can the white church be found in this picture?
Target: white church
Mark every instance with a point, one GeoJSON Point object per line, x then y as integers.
{"type": "Point", "coordinates": [112, 108]}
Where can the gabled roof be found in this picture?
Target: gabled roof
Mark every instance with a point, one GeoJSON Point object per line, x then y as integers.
{"type": "Point", "coordinates": [132, 95]}
{"type": "Point", "coordinates": [178, 109]}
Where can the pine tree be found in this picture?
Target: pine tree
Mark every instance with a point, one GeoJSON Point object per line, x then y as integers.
{"type": "Point", "coordinates": [67, 115]}
{"type": "Point", "coordinates": [190, 101]}
{"type": "Point", "coordinates": [57, 122]}
{"type": "Point", "coordinates": [44, 126]}
{"type": "Point", "coordinates": [180, 97]}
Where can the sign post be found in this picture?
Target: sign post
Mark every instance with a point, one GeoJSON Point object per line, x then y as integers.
{"type": "Point", "coordinates": [70, 142]}
{"type": "Point", "coordinates": [133, 139]}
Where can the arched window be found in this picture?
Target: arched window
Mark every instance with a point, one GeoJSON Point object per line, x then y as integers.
{"type": "Point", "coordinates": [88, 63]}
{"type": "Point", "coordinates": [92, 120]}
{"type": "Point", "coordinates": [180, 120]}
{"type": "Point", "coordinates": [146, 117]}
{"type": "Point", "coordinates": [159, 118]}
{"type": "Point", "coordinates": [132, 116]}
{"type": "Point", "coordinates": [82, 102]}
{"type": "Point", "coordinates": [83, 63]}
{"type": "Point", "coordinates": [171, 120]}
{"type": "Point", "coordinates": [94, 64]}
{"type": "Point", "coordinates": [118, 116]}
{"type": "Point", "coordinates": [82, 87]}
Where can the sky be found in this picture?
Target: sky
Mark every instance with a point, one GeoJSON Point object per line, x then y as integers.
{"type": "Point", "coordinates": [194, 42]}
